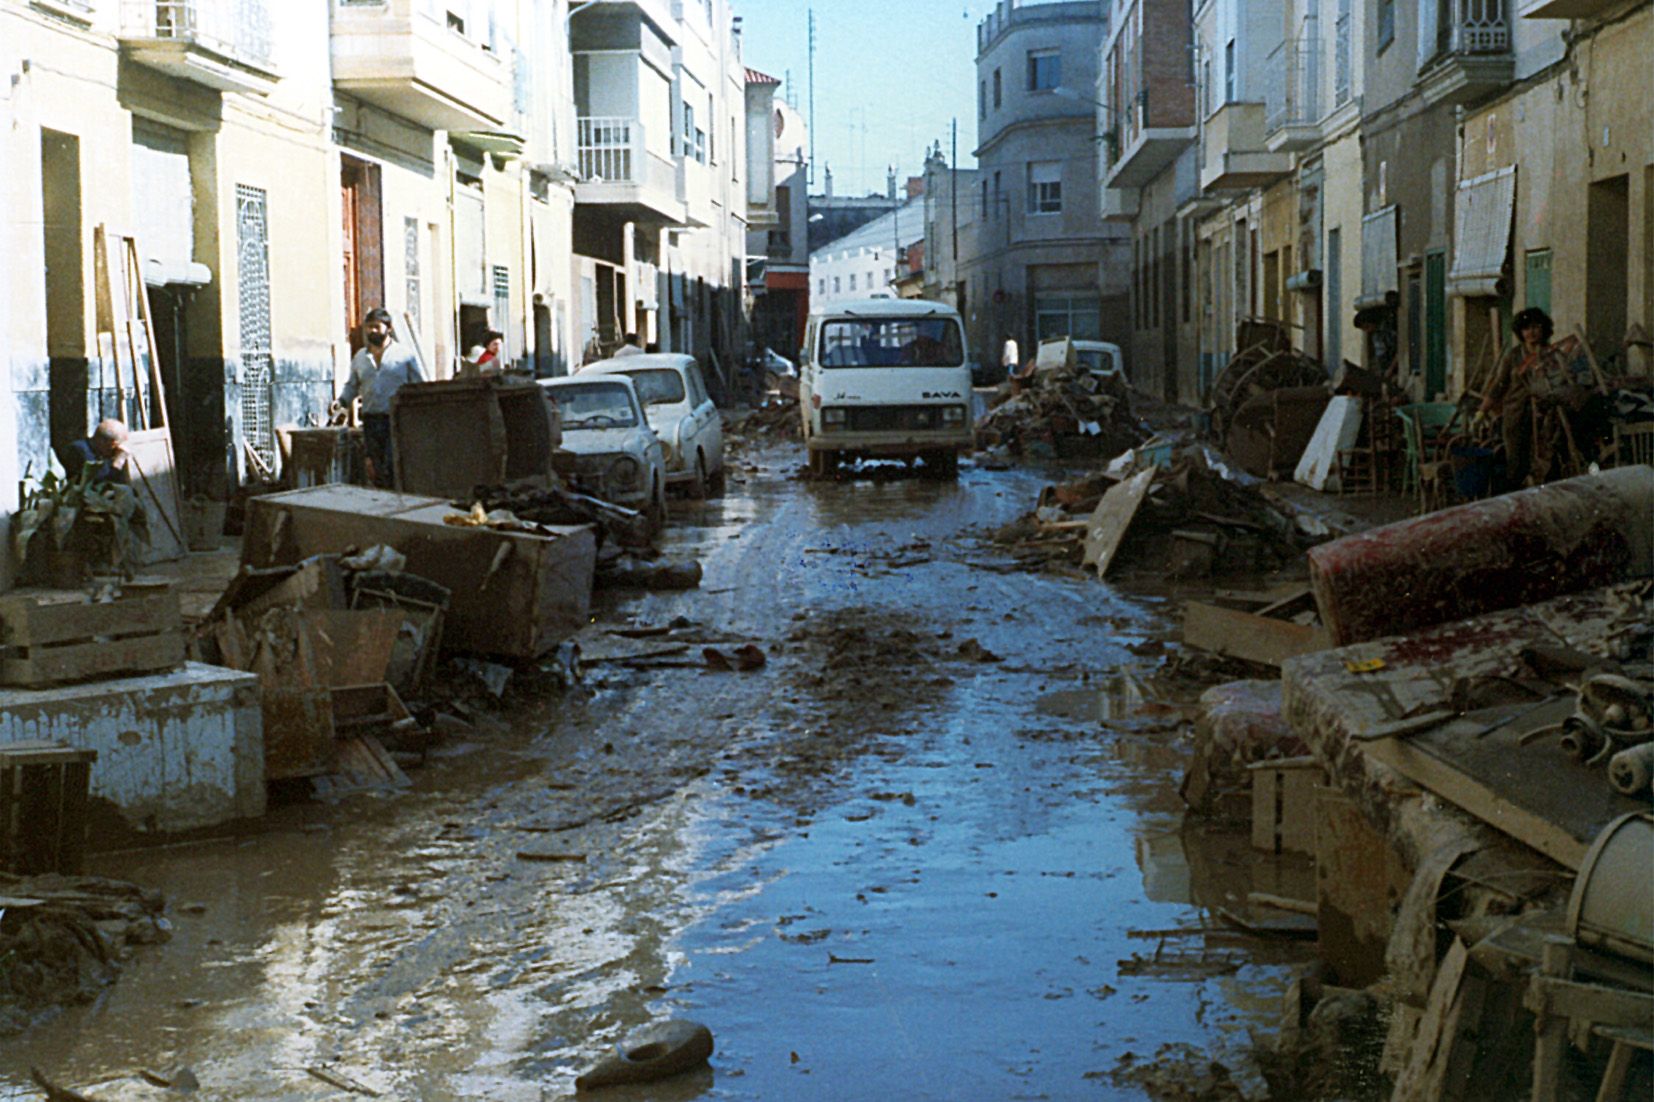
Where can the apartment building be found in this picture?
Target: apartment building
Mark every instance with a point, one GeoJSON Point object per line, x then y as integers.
{"type": "Point", "coordinates": [283, 168]}
{"type": "Point", "coordinates": [1035, 257]}
{"type": "Point", "coordinates": [660, 217]}
{"type": "Point", "coordinates": [778, 197]}
{"type": "Point", "coordinates": [869, 260]}
{"type": "Point", "coordinates": [1148, 169]}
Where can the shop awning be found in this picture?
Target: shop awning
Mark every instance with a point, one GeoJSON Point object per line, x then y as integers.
{"type": "Point", "coordinates": [1378, 258]}
{"type": "Point", "coordinates": [1482, 209]}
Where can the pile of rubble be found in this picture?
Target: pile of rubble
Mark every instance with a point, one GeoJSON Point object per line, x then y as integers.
{"type": "Point", "coordinates": [63, 938]}
{"type": "Point", "coordinates": [1190, 516]}
{"type": "Point", "coordinates": [1063, 412]}
{"type": "Point", "coordinates": [777, 420]}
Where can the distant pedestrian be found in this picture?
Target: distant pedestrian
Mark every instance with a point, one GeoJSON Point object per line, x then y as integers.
{"type": "Point", "coordinates": [493, 343]}
{"type": "Point", "coordinates": [1511, 391]}
{"type": "Point", "coordinates": [376, 374]}
{"type": "Point", "coordinates": [1009, 356]}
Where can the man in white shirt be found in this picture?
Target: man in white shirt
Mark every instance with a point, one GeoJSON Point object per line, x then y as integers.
{"type": "Point", "coordinates": [1008, 357]}
{"type": "Point", "coordinates": [376, 373]}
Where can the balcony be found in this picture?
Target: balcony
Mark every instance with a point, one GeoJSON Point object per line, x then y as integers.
{"type": "Point", "coordinates": [1291, 97]}
{"type": "Point", "coordinates": [618, 171]}
{"type": "Point", "coordinates": [1139, 150]}
{"type": "Point", "coordinates": [1473, 59]}
{"type": "Point", "coordinates": [1234, 156]}
{"type": "Point", "coordinates": [1566, 9]}
{"type": "Point", "coordinates": [223, 44]}
{"type": "Point", "coordinates": [1119, 204]}
{"type": "Point", "coordinates": [414, 59]}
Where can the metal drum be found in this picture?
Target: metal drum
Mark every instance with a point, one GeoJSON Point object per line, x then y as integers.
{"type": "Point", "coordinates": [1612, 906]}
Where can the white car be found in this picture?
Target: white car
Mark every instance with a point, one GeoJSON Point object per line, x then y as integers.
{"type": "Point", "coordinates": [676, 403]}
{"type": "Point", "coordinates": [617, 456]}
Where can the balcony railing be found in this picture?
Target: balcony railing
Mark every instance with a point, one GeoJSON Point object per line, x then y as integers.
{"type": "Point", "coordinates": [1292, 83]}
{"type": "Point", "coordinates": [1480, 27]}
{"type": "Point", "coordinates": [235, 29]}
{"type": "Point", "coordinates": [1341, 60]}
{"type": "Point", "coordinates": [609, 148]}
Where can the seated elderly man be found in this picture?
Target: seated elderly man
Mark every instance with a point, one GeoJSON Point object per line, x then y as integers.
{"type": "Point", "coordinates": [103, 453]}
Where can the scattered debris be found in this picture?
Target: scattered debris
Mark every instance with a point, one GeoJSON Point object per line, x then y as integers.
{"type": "Point", "coordinates": [653, 1052]}
{"type": "Point", "coordinates": [64, 938]}
{"type": "Point", "coordinates": [1062, 412]}
{"type": "Point", "coordinates": [745, 658]}
{"type": "Point", "coordinates": [628, 572]}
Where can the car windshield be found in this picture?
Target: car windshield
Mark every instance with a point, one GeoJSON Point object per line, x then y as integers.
{"type": "Point", "coordinates": [1096, 359]}
{"type": "Point", "coordinates": [594, 405]}
{"type": "Point", "coordinates": [660, 386]}
{"type": "Point", "coordinates": [892, 342]}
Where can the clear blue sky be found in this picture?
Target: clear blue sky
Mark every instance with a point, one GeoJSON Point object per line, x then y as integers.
{"type": "Point", "coordinates": [890, 75]}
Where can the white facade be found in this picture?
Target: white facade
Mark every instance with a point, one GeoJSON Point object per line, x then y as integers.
{"type": "Point", "coordinates": [866, 262]}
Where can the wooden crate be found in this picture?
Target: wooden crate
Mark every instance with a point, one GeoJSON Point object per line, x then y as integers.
{"type": "Point", "coordinates": [50, 636]}
{"type": "Point", "coordinates": [43, 801]}
{"type": "Point", "coordinates": [1283, 804]}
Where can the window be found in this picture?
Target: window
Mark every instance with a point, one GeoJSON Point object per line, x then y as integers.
{"type": "Point", "coordinates": [1229, 73]}
{"type": "Point", "coordinates": [1386, 23]}
{"type": "Point", "coordinates": [852, 281]}
{"type": "Point", "coordinates": [837, 285]}
{"type": "Point", "coordinates": [981, 99]}
{"type": "Point", "coordinates": [1044, 187]}
{"type": "Point", "coordinates": [1044, 70]}
{"type": "Point", "coordinates": [998, 90]}
{"type": "Point", "coordinates": [1068, 314]}
{"type": "Point", "coordinates": [872, 281]}
{"type": "Point", "coordinates": [984, 198]}
{"type": "Point", "coordinates": [897, 342]}
{"type": "Point", "coordinates": [694, 140]}
{"type": "Point", "coordinates": [821, 286]}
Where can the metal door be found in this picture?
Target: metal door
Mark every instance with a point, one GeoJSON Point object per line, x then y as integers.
{"type": "Point", "coordinates": [257, 361]}
{"type": "Point", "coordinates": [1435, 324]}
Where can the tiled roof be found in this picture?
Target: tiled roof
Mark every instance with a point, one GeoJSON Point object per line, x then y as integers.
{"type": "Point", "coordinates": [755, 77]}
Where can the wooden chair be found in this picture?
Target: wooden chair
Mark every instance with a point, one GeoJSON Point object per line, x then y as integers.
{"type": "Point", "coordinates": [1422, 422]}
{"type": "Point", "coordinates": [1633, 444]}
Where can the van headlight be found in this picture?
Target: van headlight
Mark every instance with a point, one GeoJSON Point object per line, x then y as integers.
{"type": "Point", "coordinates": [625, 472]}
{"type": "Point", "coordinates": [833, 415]}
{"type": "Point", "coordinates": [953, 415]}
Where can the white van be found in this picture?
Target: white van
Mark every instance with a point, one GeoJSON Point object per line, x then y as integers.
{"type": "Point", "coordinates": [887, 378]}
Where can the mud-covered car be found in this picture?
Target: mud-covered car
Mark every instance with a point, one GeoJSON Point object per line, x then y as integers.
{"type": "Point", "coordinates": [676, 402]}
{"type": "Point", "coordinates": [615, 456]}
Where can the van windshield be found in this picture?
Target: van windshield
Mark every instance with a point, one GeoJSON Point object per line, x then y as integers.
{"type": "Point", "coordinates": [892, 342]}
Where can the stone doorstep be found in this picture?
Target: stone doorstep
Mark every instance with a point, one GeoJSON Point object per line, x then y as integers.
{"type": "Point", "coordinates": [176, 751]}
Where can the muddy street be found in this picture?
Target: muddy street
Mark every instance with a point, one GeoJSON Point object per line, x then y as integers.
{"type": "Point", "coordinates": [931, 850]}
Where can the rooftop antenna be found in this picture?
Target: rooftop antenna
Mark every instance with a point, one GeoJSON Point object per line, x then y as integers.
{"type": "Point", "coordinates": [812, 177]}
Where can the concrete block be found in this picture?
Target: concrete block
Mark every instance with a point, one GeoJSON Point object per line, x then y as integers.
{"type": "Point", "coordinates": [176, 751]}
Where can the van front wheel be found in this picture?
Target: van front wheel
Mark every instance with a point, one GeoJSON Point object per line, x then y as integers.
{"type": "Point", "coordinates": [822, 463]}
{"type": "Point", "coordinates": [942, 464]}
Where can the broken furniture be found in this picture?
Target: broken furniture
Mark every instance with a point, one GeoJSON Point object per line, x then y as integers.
{"type": "Point", "coordinates": [514, 594]}
{"type": "Point", "coordinates": [1633, 444]}
{"type": "Point", "coordinates": [323, 456]}
{"type": "Point", "coordinates": [1269, 432]}
{"type": "Point", "coordinates": [1598, 977]}
{"type": "Point", "coordinates": [1501, 552]}
{"type": "Point", "coordinates": [1267, 629]}
{"type": "Point", "coordinates": [56, 636]}
{"type": "Point", "coordinates": [1423, 424]}
{"type": "Point", "coordinates": [43, 803]}
{"type": "Point", "coordinates": [453, 436]}
{"type": "Point", "coordinates": [176, 750]}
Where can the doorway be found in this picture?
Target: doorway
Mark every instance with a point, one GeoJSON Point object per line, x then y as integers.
{"type": "Point", "coordinates": [1607, 279]}
{"type": "Point", "coordinates": [364, 243]}
{"type": "Point", "coordinates": [1435, 324]}
{"type": "Point", "coordinates": [68, 374]}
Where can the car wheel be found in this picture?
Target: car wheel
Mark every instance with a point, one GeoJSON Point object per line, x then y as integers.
{"type": "Point", "coordinates": [822, 463]}
{"type": "Point", "coordinates": [716, 483]}
{"type": "Point", "coordinates": [697, 486]}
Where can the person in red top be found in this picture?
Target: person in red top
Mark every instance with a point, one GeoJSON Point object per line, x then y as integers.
{"type": "Point", "coordinates": [493, 342]}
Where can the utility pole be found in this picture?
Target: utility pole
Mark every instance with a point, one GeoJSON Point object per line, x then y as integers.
{"type": "Point", "coordinates": [953, 204]}
{"type": "Point", "coordinates": [812, 176]}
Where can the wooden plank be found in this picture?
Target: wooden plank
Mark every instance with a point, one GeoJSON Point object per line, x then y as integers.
{"type": "Point", "coordinates": [1266, 795]}
{"type": "Point", "coordinates": [75, 662]}
{"type": "Point", "coordinates": [1111, 519]}
{"type": "Point", "coordinates": [31, 618]}
{"type": "Point", "coordinates": [1537, 794]}
{"type": "Point", "coordinates": [1235, 634]}
{"type": "Point", "coordinates": [1418, 1081]}
{"type": "Point", "coordinates": [156, 480]}
{"type": "Point", "coordinates": [42, 752]}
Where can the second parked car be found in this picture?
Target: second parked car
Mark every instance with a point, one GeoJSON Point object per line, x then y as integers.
{"type": "Point", "coordinates": [675, 400]}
